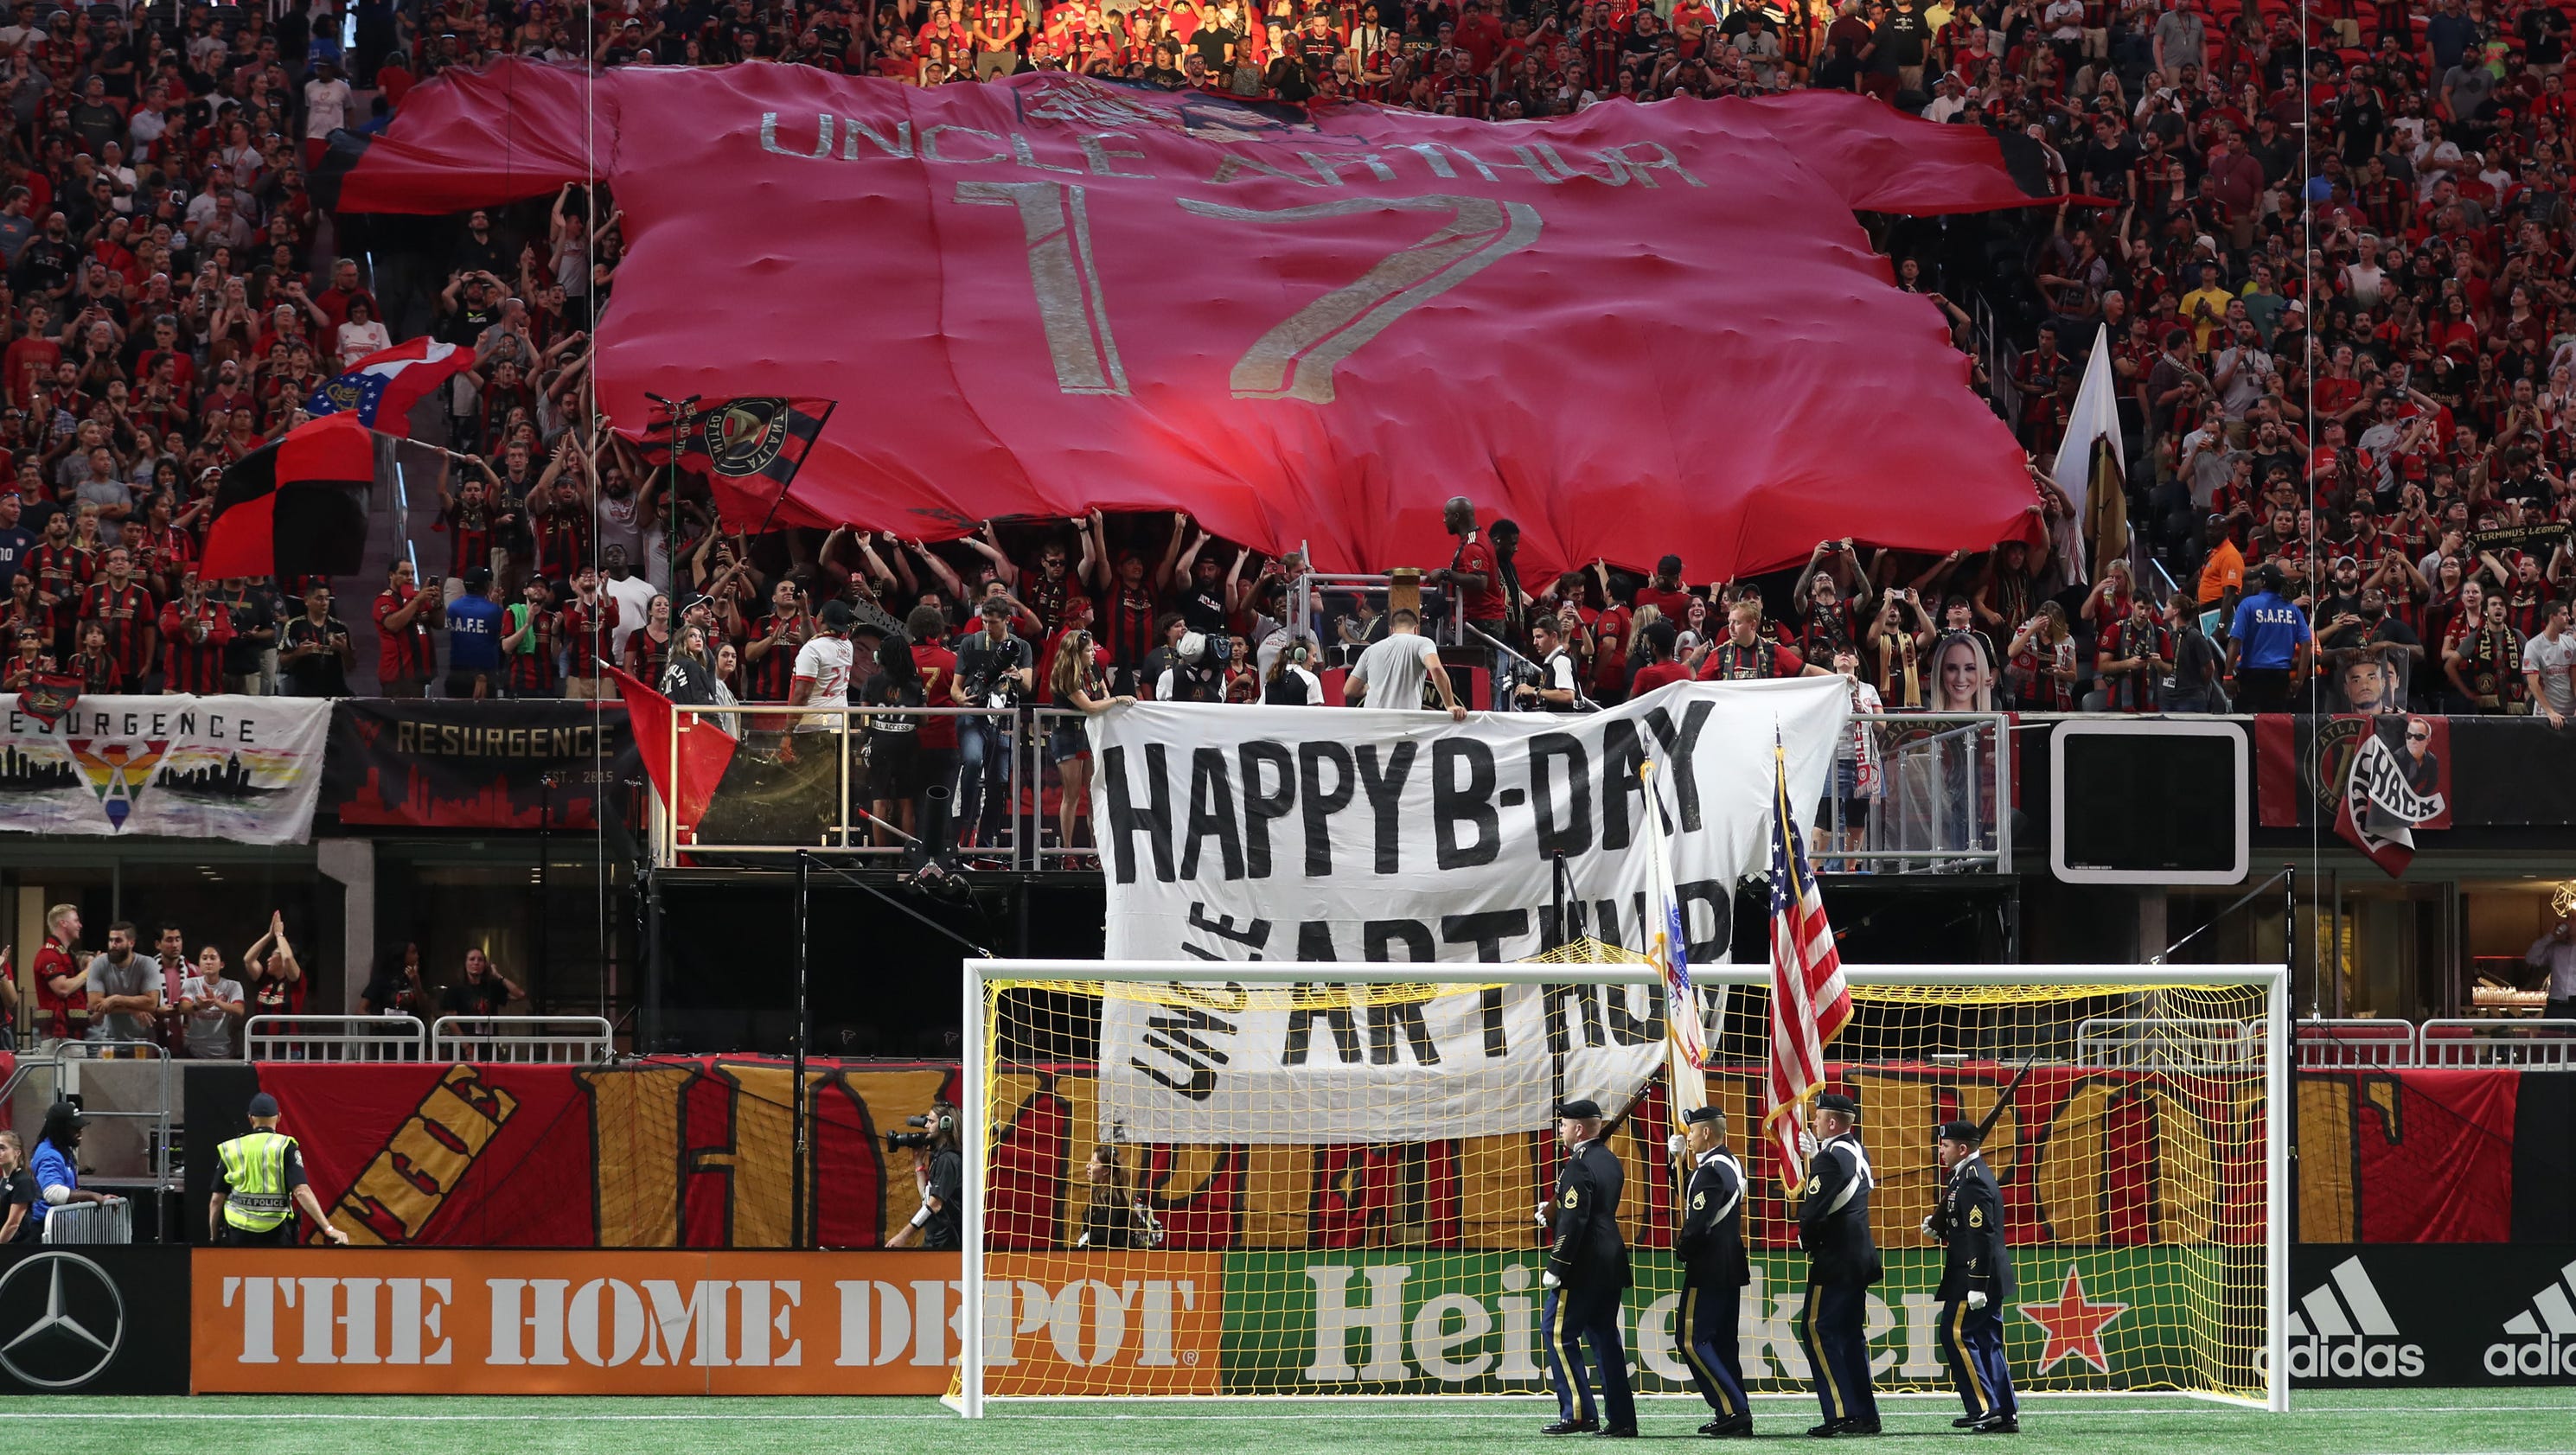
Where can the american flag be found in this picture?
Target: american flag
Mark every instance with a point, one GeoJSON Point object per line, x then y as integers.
{"type": "Point", "coordinates": [1809, 1002]}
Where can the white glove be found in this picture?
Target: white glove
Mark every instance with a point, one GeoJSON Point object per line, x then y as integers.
{"type": "Point", "coordinates": [1552, 1281]}
{"type": "Point", "coordinates": [1976, 1301]}
{"type": "Point", "coordinates": [1675, 1145]}
{"type": "Point", "coordinates": [1807, 1145]}
{"type": "Point", "coordinates": [1927, 1227]}
{"type": "Point", "coordinates": [1541, 1215]}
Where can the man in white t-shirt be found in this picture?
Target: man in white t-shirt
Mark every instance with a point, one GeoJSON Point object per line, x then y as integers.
{"type": "Point", "coordinates": [326, 108]}
{"type": "Point", "coordinates": [2549, 667]}
{"type": "Point", "coordinates": [1390, 673]}
{"type": "Point", "coordinates": [823, 668]}
{"type": "Point", "coordinates": [632, 593]}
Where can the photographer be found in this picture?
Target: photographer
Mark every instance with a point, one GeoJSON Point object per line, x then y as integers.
{"type": "Point", "coordinates": [940, 1176]}
{"type": "Point", "coordinates": [1198, 669]}
{"type": "Point", "coordinates": [1292, 681]}
{"type": "Point", "coordinates": [1551, 688]}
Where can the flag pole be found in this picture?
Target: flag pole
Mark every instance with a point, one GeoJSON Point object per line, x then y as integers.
{"type": "Point", "coordinates": [1666, 943]}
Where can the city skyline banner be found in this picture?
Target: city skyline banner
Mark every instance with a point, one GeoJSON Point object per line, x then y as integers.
{"type": "Point", "coordinates": [1306, 327]}
{"type": "Point", "coordinates": [244, 769]}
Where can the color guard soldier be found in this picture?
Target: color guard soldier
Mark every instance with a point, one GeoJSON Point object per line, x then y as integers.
{"type": "Point", "coordinates": [1842, 1262]}
{"type": "Point", "coordinates": [1710, 1248]}
{"type": "Point", "coordinates": [1587, 1271]}
{"type": "Point", "coordinates": [1976, 1282]}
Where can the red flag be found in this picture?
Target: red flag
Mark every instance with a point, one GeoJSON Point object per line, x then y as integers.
{"type": "Point", "coordinates": [685, 770]}
{"type": "Point", "coordinates": [1809, 1002]}
{"type": "Point", "coordinates": [297, 507]}
{"type": "Point", "coordinates": [1294, 324]}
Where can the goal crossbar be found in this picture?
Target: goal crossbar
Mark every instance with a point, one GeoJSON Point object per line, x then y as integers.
{"type": "Point", "coordinates": [976, 1132]}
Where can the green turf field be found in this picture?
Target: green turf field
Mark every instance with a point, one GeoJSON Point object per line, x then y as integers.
{"type": "Point", "coordinates": [2356, 1423]}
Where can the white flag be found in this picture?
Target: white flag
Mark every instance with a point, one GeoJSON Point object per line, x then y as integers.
{"type": "Point", "coordinates": [2096, 416]}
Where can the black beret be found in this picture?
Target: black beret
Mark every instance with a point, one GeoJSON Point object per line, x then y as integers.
{"type": "Point", "coordinates": [1699, 1114]}
{"type": "Point", "coordinates": [1580, 1111]}
{"type": "Point", "coordinates": [1836, 1101]}
{"type": "Point", "coordinates": [1960, 1132]}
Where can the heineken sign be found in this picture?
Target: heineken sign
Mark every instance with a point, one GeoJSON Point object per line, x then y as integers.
{"type": "Point", "coordinates": [1430, 1322]}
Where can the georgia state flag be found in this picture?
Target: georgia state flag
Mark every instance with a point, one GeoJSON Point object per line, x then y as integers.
{"type": "Point", "coordinates": [384, 386]}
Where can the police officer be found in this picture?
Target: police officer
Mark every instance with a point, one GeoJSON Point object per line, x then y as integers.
{"type": "Point", "coordinates": [942, 1181]}
{"type": "Point", "coordinates": [1587, 1270]}
{"type": "Point", "coordinates": [1710, 1247]}
{"type": "Point", "coordinates": [1842, 1262]}
{"type": "Point", "coordinates": [259, 1183]}
{"type": "Point", "coordinates": [1976, 1282]}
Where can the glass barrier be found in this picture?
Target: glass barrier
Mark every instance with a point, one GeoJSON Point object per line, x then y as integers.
{"type": "Point", "coordinates": [1008, 788]}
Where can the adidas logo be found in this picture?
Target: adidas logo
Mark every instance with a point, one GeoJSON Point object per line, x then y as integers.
{"type": "Point", "coordinates": [2542, 1337]}
{"type": "Point", "coordinates": [2342, 1331]}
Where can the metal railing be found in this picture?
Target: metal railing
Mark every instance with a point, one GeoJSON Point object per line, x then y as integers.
{"type": "Point", "coordinates": [1927, 793]}
{"type": "Point", "coordinates": [527, 1040]}
{"type": "Point", "coordinates": [334, 1038]}
{"type": "Point", "coordinates": [91, 1222]}
{"type": "Point", "coordinates": [2354, 1045]}
{"type": "Point", "coordinates": [129, 1092]}
{"type": "Point", "coordinates": [1916, 793]}
{"type": "Point", "coordinates": [2156, 1042]}
{"type": "Point", "coordinates": [2533, 1045]}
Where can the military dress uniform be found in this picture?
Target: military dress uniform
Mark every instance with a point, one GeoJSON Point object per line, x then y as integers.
{"type": "Point", "coordinates": [1842, 1262]}
{"type": "Point", "coordinates": [1590, 1263]}
{"type": "Point", "coordinates": [1710, 1248]}
{"type": "Point", "coordinates": [1969, 1222]}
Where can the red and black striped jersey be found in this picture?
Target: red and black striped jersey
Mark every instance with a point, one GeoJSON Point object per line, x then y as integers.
{"type": "Point", "coordinates": [132, 621]}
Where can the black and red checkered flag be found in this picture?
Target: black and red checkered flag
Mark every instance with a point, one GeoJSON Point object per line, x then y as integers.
{"type": "Point", "coordinates": [297, 507]}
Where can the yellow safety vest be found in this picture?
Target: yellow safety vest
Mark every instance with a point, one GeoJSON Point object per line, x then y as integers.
{"type": "Point", "coordinates": [256, 1199]}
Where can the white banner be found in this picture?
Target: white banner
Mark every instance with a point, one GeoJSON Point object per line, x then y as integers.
{"type": "Point", "coordinates": [243, 769]}
{"type": "Point", "coordinates": [1236, 833]}
{"type": "Point", "coordinates": [1225, 1064]}
{"type": "Point", "coordinates": [1302, 833]}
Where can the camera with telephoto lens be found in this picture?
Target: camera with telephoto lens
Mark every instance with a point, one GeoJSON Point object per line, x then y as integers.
{"type": "Point", "coordinates": [914, 1140]}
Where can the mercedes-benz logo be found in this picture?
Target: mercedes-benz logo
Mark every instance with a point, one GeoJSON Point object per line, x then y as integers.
{"type": "Point", "coordinates": [76, 1336]}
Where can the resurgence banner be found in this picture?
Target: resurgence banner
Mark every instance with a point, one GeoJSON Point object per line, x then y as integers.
{"type": "Point", "coordinates": [475, 765]}
{"type": "Point", "coordinates": [244, 769]}
{"type": "Point", "coordinates": [1292, 833]}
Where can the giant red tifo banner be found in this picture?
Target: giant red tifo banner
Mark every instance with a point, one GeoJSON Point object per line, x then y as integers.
{"type": "Point", "coordinates": [1636, 330]}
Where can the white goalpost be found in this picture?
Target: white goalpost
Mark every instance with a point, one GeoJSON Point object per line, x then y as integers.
{"type": "Point", "coordinates": [1201, 1179]}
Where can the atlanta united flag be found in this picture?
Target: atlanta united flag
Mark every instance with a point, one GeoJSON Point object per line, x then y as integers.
{"type": "Point", "coordinates": [1809, 1002]}
{"type": "Point", "coordinates": [246, 769]}
{"type": "Point", "coordinates": [382, 387]}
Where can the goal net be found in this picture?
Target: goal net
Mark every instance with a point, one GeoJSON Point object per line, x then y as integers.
{"type": "Point", "coordinates": [1317, 1179]}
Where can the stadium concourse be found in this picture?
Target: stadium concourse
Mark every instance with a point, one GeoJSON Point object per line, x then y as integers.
{"type": "Point", "coordinates": [2430, 1422]}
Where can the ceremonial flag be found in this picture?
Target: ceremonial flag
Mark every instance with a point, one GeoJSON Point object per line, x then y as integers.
{"type": "Point", "coordinates": [383, 386]}
{"type": "Point", "coordinates": [1809, 1002]}
{"type": "Point", "coordinates": [1669, 947]}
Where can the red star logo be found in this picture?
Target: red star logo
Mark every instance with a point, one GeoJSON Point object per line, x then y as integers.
{"type": "Point", "coordinates": [2073, 1325]}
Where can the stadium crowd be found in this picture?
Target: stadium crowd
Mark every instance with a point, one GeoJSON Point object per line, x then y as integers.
{"type": "Point", "coordinates": [2335, 293]}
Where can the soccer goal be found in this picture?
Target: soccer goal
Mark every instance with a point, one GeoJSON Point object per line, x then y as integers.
{"type": "Point", "coordinates": [1263, 1180]}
